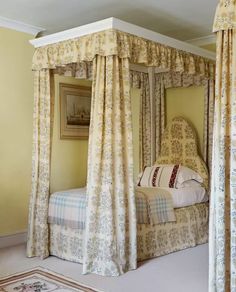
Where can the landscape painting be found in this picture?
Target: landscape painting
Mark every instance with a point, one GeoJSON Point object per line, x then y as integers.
{"type": "Point", "coordinates": [75, 111]}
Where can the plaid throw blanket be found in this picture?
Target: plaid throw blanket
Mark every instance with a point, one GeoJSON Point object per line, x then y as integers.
{"type": "Point", "coordinates": [68, 208]}
{"type": "Point", "coordinates": [154, 206]}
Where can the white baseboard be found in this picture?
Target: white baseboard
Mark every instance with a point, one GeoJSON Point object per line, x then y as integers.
{"type": "Point", "coordinates": [13, 239]}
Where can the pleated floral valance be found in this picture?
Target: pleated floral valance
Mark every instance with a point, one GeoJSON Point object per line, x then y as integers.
{"type": "Point", "coordinates": [225, 17]}
{"type": "Point", "coordinates": [83, 70]}
{"type": "Point", "coordinates": [124, 45]}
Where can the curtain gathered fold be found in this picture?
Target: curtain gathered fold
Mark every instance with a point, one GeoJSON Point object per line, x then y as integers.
{"type": "Point", "coordinates": [82, 70]}
{"type": "Point", "coordinates": [176, 79]}
{"type": "Point", "coordinates": [124, 45]}
{"type": "Point", "coordinates": [110, 238]}
{"type": "Point", "coordinates": [222, 235]}
{"type": "Point", "coordinates": [37, 243]}
{"type": "Point", "coordinates": [140, 80]}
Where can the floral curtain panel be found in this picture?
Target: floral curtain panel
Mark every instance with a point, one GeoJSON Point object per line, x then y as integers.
{"type": "Point", "coordinates": [141, 80]}
{"type": "Point", "coordinates": [37, 242]}
{"type": "Point", "coordinates": [222, 240]}
{"type": "Point", "coordinates": [176, 79]}
{"type": "Point", "coordinates": [110, 240]}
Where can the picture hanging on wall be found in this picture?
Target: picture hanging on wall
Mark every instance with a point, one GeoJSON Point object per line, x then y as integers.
{"type": "Point", "coordinates": [75, 103]}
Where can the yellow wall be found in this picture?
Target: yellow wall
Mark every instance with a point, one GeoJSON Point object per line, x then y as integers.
{"type": "Point", "coordinates": [69, 157]}
{"type": "Point", "coordinates": [210, 47]}
{"type": "Point", "coordinates": [16, 106]}
{"type": "Point", "coordinates": [188, 103]}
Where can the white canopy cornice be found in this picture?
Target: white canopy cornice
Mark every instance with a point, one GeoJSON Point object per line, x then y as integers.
{"type": "Point", "coordinates": [114, 23]}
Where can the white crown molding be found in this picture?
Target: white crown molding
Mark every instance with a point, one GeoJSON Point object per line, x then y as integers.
{"type": "Point", "coordinates": [13, 239]}
{"type": "Point", "coordinates": [20, 26]}
{"type": "Point", "coordinates": [115, 23]}
{"type": "Point", "coordinates": [72, 33]}
{"type": "Point", "coordinates": [202, 41]}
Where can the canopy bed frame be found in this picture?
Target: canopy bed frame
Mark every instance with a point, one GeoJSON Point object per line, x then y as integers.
{"type": "Point", "coordinates": [189, 229]}
{"type": "Point", "coordinates": [111, 49]}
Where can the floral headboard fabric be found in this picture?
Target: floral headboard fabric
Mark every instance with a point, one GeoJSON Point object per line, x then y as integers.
{"type": "Point", "coordinates": [179, 146]}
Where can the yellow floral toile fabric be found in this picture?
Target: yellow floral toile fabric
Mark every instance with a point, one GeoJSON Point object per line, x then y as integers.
{"type": "Point", "coordinates": [222, 240]}
{"type": "Point", "coordinates": [179, 146]}
{"type": "Point", "coordinates": [82, 70]}
{"type": "Point", "coordinates": [141, 80]}
{"type": "Point", "coordinates": [225, 17]}
{"type": "Point", "coordinates": [222, 236]}
{"type": "Point", "coordinates": [110, 233]}
{"type": "Point", "coordinates": [113, 42]}
{"type": "Point", "coordinates": [37, 242]}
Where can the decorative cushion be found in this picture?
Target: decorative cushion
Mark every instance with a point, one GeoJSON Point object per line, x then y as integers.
{"type": "Point", "coordinates": [179, 146]}
{"type": "Point", "coordinates": [159, 176]}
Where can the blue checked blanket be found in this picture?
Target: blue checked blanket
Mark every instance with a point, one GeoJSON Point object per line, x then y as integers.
{"type": "Point", "coordinates": [68, 208]}
{"type": "Point", "coordinates": [154, 206]}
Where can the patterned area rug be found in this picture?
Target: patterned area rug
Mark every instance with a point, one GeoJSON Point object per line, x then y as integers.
{"type": "Point", "coordinates": [41, 280]}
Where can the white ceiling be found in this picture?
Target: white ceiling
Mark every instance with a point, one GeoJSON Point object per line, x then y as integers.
{"type": "Point", "coordinates": [180, 19]}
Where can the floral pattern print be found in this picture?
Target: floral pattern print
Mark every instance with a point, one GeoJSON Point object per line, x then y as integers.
{"type": "Point", "coordinates": [110, 235]}
{"type": "Point", "coordinates": [37, 286]}
{"type": "Point", "coordinates": [82, 70]}
{"type": "Point", "coordinates": [37, 242]}
{"type": "Point", "coordinates": [73, 248]}
{"type": "Point", "coordinates": [113, 42]}
{"type": "Point", "coordinates": [222, 240]}
{"type": "Point", "coordinates": [225, 17]}
{"type": "Point", "coordinates": [140, 80]}
{"type": "Point", "coordinates": [182, 148]}
{"type": "Point", "coordinates": [190, 229]}
{"type": "Point", "coordinates": [176, 79]}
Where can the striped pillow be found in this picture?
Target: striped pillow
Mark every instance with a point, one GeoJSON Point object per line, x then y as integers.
{"type": "Point", "coordinates": [159, 176]}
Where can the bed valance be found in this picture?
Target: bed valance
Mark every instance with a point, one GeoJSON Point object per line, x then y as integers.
{"type": "Point", "coordinates": [124, 45]}
{"type": "Point", "coordinates": [225, 17]}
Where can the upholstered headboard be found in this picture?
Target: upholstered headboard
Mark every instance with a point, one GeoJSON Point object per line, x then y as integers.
{"type": "Point", "coordinates": [179, 146]}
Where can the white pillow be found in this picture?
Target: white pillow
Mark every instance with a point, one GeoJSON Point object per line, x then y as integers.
{"type": "Point", "coordinates": [169, 175]}
{"type": "Point", "coordinates": [159, 176]}
{"type": "Point", "coordinates": [187, 174]}
{"type": "Point", "coordinates": [188, 184]}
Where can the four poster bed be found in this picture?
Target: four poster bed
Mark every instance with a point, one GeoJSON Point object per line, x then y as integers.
{"type": "Point", "coordinates": [189, 228]}
{"type": "Point", "coordinates": [110, 239]}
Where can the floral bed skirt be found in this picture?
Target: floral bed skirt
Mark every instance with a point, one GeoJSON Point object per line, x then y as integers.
{"type": "Point", "coordinates": [189, 230]}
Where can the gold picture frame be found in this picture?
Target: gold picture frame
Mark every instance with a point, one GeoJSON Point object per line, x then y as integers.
{"type": "Point", "coordinates": [75, 105]}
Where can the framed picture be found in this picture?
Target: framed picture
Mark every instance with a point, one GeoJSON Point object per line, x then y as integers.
{"type": "Point", "coordinates": [75, 104]}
